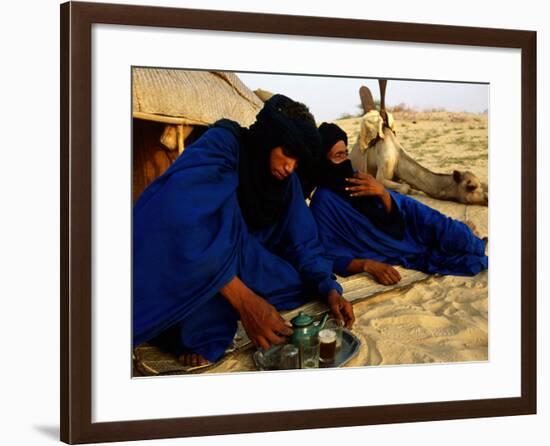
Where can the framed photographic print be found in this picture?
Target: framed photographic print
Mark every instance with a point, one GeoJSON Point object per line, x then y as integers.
{"type": "Point", "coordinates": [257, 209]}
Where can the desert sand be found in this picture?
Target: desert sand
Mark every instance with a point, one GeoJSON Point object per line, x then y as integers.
{"type": "Point", "coordinates": [440, 318]}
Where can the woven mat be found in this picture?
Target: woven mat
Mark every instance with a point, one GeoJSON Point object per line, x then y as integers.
{"type": "Point", "coordinates": [149, 360]}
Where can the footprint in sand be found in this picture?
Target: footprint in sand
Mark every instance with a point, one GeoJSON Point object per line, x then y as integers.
{"type": "Point", "coordinates": [398, 353]}
{"type": "Point", "coordinates": [436, 307]}
{"type": "Point", "coordinates": [413, 327]}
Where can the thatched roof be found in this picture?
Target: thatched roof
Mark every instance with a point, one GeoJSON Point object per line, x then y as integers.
{"type": "Point", "coordinates": [191, 97]}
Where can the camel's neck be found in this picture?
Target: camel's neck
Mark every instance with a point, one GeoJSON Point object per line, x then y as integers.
{"type": "Point", "coordinates": [437, 185]}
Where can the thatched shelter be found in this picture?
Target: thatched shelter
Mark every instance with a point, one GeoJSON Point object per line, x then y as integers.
{"type": "Point", "coordinates": [171, 108]}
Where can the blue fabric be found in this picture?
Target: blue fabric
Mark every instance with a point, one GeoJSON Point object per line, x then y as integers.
{"type": "Point", "coordinates": [189, 240]}
{"type": "Point", "coordinates": [433, 242]}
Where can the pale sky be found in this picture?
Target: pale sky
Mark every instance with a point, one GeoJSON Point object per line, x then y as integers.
{"type": "Point", "coordinates": [330, 97]}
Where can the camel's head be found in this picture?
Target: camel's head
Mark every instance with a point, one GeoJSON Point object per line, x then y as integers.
{"type": "Point", "coordinates": [470, 189]}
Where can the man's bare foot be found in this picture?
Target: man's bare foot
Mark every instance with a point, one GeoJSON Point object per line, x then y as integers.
{"type": "Point", "coordinates": [192, 359]}
{"type": "Point", "coordinates": [382, 272]}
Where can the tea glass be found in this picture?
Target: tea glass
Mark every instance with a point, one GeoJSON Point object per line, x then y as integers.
{"type": "Point", "coordinates": [289, 358]}
{"type": "Point", "coordinates": [327, 346]}
{"type": "Point", "coordinates": [337, 325]}
{"type": "Point", "coordinates": [309, 353]}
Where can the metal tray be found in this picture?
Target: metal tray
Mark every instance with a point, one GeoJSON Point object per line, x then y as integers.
{"type": "Point", "coordinates": [269, 359]}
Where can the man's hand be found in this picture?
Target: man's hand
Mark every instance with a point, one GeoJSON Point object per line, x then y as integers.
{"type": "Point", "coordinates": [341, 308]}
{"type": "Point", "coordinates": [364, 184]}
{"type": "Point", "coordinates": [261, 321]}
{"type": "Point", "coordinates": [382, 272]}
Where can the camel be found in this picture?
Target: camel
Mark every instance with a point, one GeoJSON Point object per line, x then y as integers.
{"type": "Point", "coordinates": [379, 152]}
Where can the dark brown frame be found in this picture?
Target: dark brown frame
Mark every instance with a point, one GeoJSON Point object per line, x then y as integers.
{"type": "Point", "coordinates": [76, 221]}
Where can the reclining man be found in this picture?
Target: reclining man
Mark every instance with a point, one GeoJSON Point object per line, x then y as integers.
{"type": "Point", "coordinates": [366, 228]}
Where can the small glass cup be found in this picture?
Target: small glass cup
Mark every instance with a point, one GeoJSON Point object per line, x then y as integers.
{"type": "Point", "coordinates": [337, 325]}
{"type": "Point", "coordinates": [290, 357]}
{"type": "Point", "coordinates": [268, 359]}
{"type": "Point", "coordinates": [327, 346]}
{"type": "Point", "coordinates": [309, 353]}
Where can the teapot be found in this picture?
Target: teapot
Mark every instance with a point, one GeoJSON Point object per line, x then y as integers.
{"type": "Point", "coordinates": [304, 329]}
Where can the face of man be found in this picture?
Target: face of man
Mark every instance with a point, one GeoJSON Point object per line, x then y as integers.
{"type": "Point", "coordinates": [281, 163]}
{"type": "Point", "coordinates": [338, 153]}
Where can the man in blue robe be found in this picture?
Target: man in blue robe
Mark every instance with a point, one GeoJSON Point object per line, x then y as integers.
{"type": "Point", "coordinates": [225, 234]}
{"type": "Point", "coordinates": [367, 228]}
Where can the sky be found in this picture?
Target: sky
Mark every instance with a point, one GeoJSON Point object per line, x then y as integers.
{"type": "Point", "coordinates": [329, 97]}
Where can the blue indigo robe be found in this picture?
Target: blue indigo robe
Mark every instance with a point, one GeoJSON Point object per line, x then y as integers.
{"type": "Point", "coordinates": [190, 239]}
{"type": "Point", "coordinates": [432, 243]}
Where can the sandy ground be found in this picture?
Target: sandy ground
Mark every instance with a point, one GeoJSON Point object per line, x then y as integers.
{"type": "Point", "coordinates": [443, 318]}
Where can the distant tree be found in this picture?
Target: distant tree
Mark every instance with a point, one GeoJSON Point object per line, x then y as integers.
{"type": "Point", "coordinates": [346, 115]}
{"type": "Point", "coordinates": [402, 107]}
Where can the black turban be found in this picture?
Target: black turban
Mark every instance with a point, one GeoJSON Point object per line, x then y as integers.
{"type": "Point", "coordinates": [330, 135]}
{"type": "Point", "coordinates": [322, 169]}
{"type": "Point", "coordinates": [298, 136]}
{"type": "Point", "coordinates": [261, 196]}
{"type": "Point", "coordinates": [333, 176]}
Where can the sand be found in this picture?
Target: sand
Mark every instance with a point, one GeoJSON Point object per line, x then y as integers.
{"type": "Point", "coordinates": [441, 318]}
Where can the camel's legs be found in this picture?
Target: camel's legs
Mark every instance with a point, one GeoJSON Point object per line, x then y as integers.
{"type": "Point", "coordinates": [385, 172]}
{"type": "Point", "coordinates": [399, 187]}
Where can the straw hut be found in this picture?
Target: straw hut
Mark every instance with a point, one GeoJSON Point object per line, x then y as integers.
{"type": "Point", "coordinates": [172, 108]}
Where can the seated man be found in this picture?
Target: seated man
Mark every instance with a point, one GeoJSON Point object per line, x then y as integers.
{"type": "Point", "coordinates": [366, 228]}
{"type": "Point", "coordinates": [225, 234]}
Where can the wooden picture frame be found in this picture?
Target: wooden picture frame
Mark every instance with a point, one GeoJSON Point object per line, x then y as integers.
{"type": "Point", "coordinates": [76, 221]}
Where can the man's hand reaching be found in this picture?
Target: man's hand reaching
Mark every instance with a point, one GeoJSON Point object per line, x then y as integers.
{"type": "Point", "coordinates": [341, 308]}
{"type": "Point", "coordinates": [263, 323]}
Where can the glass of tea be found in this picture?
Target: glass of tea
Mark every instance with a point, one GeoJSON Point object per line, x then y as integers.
{"type": "Point", "coordinates": [336, 325]}
{"type": "Point", "coordinates": [327, 346]}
